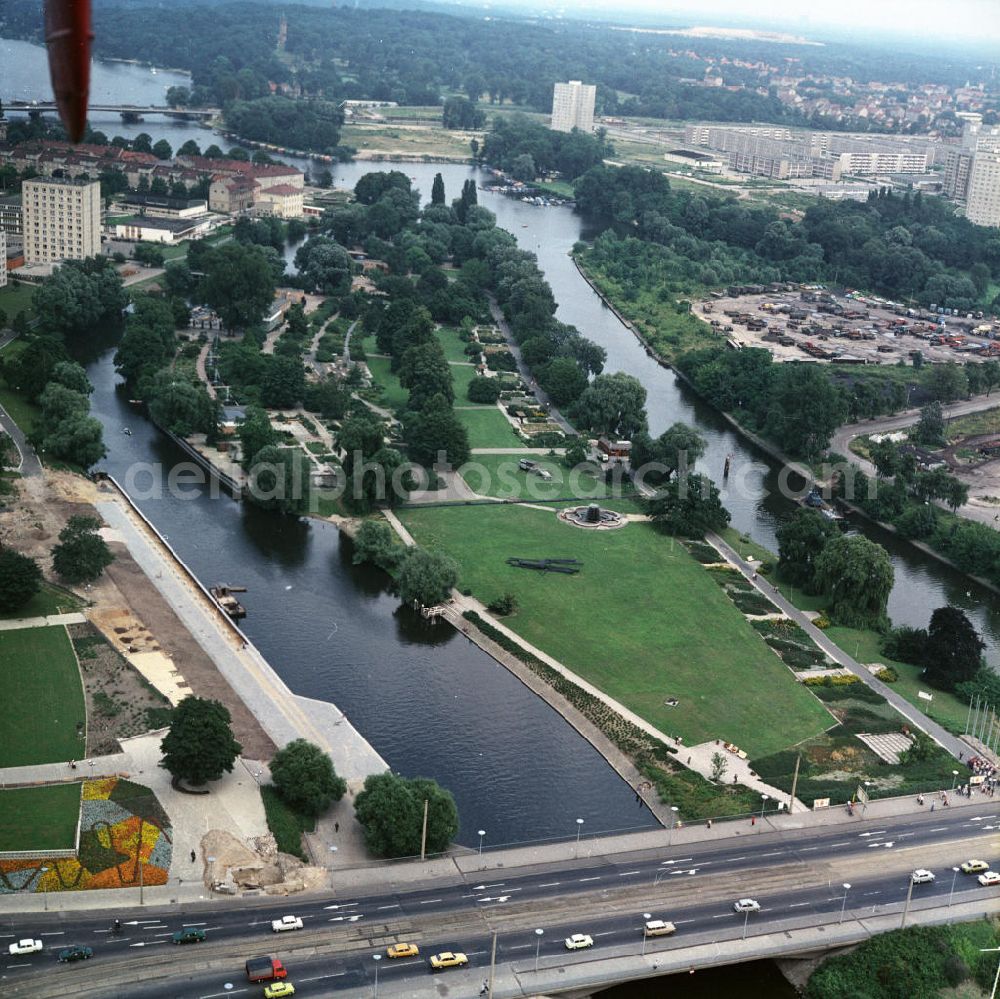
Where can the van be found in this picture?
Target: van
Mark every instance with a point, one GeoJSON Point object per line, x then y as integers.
{"type": "Point", "coordinates": [659, 928]}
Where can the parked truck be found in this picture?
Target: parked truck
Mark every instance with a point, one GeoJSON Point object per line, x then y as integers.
{"type": "Point", "coordinates": [265, 969]}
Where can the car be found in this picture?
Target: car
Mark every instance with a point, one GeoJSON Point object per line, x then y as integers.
{"type": "Point", "coordinates": [658, 928]}
{"type": "Point", "coordinates": [278, 990]}
{"type": "Point", "coordinates": [448, 959]}
{"type": "Point", "coordinates": [974, 866]}
{"type": "Point", "coordinates": [989, 878]}
{"type": "Point", "coordinates": [402, 950]}
{"type": "Point", "coordinates": [191, 934]}
{"type": "Point", "coordinates": [921, 876]}
{"type": "Point", "coordinates": [746, 905]}
{"type": "Point", "coordinates": [27, 946]}
{"type": "Point", "coordinates": [75, 953]}
{"type": "Point", "coordinates": [286, 923]}
{"type": "Point", "coordinates": [579, 941]}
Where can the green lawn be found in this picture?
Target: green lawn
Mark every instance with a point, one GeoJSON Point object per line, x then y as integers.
{"type": "Point", "coordinates": [454, 348]}
{"type": "Point", "coordinates": [461, 376]}
{"type": "Point", "coordinates": [643, 620]}
{"type": "Point", "coordinates": [39, 818]}
{"type": "Point", "coordinates": [394, 396]}
{"type": "Point", "coordinates": [48, 600]}
{"type": "Point", "coordinates": [15, 299]}
{"type": "Point", "coordinates": [488, 427]}
{"type": "Point", "coordinates": [498, 475]}
{"type": "Point", "coordinates": [43, 697]}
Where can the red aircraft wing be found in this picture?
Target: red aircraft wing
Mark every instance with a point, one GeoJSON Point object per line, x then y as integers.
{"type": "Point", "coordinates": [68, 35]}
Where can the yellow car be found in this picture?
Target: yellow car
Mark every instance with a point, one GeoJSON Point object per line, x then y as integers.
{"type": "Point", "coordinates": [279, 990]}
{"type": "Point", "coordinates": [447, 959]}
{"type": "Point", "coordinates": [974, 866]}
{"type": "Point", "coordinates": [402, 950]}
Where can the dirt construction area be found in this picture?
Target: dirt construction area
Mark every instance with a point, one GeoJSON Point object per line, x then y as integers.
{"type": "Point", "coordinates": [813, 324]}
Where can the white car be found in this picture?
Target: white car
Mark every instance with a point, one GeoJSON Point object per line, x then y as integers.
{"type": "Point", "coordinates": [286, 923]}
{"type": "Point", "coordinates": [921, 876]}
{"type": "Point", "coordinates": [988, 879]}
{"type": "Point", "coordinates": [24, 947]}
{"type": "Point", "coordinates": [579, 941]}
{"type": "Point", "coordinates": [746, 905]}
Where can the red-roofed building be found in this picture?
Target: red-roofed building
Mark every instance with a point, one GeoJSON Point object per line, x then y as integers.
{"type": "Point", "coordinates": [232, 195]}
{"type": "Point", "coordinates": [284, 201]}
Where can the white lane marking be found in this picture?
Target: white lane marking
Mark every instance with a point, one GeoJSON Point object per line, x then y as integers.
{"type": "Point", "coordinates": [551, 884]}
{"type": "Point", "coordinates": [53, 933]}
{"type": "Point", "coordinates": [938, 829]}
{"type": "Point", "coordinates": [429, 901]}
{"type": "Point", "coordinates": [681, 860]}
{"type": "Point", "coordinates": [681, 922]}
{"type": "Point", "coordinates": [395, 905]}
{"type": "Point", "coordinates": [846, 842]}
{"type": "Point", "coordinates": [167, 934]}
{"type": "Point", "coordinates": [606, 933]}
{"type": "Point", "coordinates": [721, 915]}
{"type": "Point", "coordinates": [776, 853]}
{"type": "Point", "coordinates": [729, 860]}
{"type": "Point", "coordinates": [875, 832]}
{"type": "Point", "coordinates": [343, 905]}
{"type": "Point", "coordinates": [320, 978]}
{"type": "Point", "coordinates": [797, 905]}
{"type": "Point", "coordinates": [628, 874]}
{"type": "Point", "coordinates": [873, 893]}
{"type": "Point", "coordinates": [147, 943]}
{"type": "Point", "coordinates": [194, 924]}
{"type": "Point", "coordinates": [496, 884]}
{"type": "Point", "coordinates": [215, 995]}
{"type": "Point", "coordinates": [581, 880]}
{"type": "Point", "coordinates": [518, 947]}
{"type": "Point", "coordinates": [806, 849]}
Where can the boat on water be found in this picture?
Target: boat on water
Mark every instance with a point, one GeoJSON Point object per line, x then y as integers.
{"type": "Point", "coordinates": [223, 596]}
{"type": "Point", "coordinates": [814, 500]}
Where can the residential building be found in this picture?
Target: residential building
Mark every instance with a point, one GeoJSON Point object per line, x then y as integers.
{"type": "Point", "coordinates": [12, 217]}
{"type": "Point", "coordinates": [284, 201]}
{"type": "Point", "coordinates": [573, 106]}
{"type": "Point", "coordinates": [151, 229]}
{"type": "Point", "coordinates": [3, 259]}
{"type": "Point", "coordinates": [957, 168]}
{"type": "Point", "coordinates": [62, 219]}
{"type": "Point", "coordinates": [982, 206]}
{"type": "Point", "coordinates": [232, 195]}
{"type": "Point", "coordinates": [160, 206]}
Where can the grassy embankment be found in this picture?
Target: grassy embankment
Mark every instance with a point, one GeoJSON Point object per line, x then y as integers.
{"type": "Point", "coordinates": [48, 600]}
{"type": "Point", "coordinates": [39, 818]}
{"type": "Point", "coordinates": [43, 696]}
{"type": "Point", "coordinates": [285, 823]}
{"type": "Point", "coordinates": [633, 622]}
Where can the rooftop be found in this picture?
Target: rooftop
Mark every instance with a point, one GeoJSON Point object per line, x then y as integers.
{"type": "Point", "coordinates": [152, 222]}
{"type": "Point", "coordinates": [64, 181]}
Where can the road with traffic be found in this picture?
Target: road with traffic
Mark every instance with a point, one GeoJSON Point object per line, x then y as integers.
{"type": "Point", "coordinates": [798, 876]}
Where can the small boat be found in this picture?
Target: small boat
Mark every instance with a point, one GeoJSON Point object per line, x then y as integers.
{"type": "Point", "coordinates": [223, 596]}
{"type": "Point", "coordinates": [126, 431]}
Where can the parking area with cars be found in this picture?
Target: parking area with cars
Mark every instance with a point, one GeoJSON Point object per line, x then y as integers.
{"type": "Point", "coordinates": [811, 323]}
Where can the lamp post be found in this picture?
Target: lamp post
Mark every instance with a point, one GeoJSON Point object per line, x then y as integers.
{"type": "Point", "coordinates": [141, 866]}
{"type": "Point", "coordinates": [538, 944]}
{"type": "Point", "coordinates": [646, 916]}
{"type": "Point", "coordinates": [579, 826]}
{"type": "Point", "coordinates": [482, 833]}
{"type": "Point", "coordinates": [673, 821]}
{"type": "Point", "coordinates": [992, 950]}
{"type": "Point", "coordinates": [954, 779]}
{"type": "Point", "coordinates": [843, 906]}
{"type": "Point", "coordinates": [45, 888]}
{"type": "Point", "coordinates": [951, 894]}
{"type": "Point", "coordinates": [906, 905]}
{"type": "Point", "coordinates": [763, 805]}
{"type": "Point", "coordinates": [377, 957]}
{"type": "Point", "coordinates": [746, 918]}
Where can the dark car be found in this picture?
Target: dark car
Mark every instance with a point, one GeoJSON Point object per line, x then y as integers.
{"type": "Point", "coordinates": [75, 953]}
{"type": "Point", "coordinates": [191, 935]}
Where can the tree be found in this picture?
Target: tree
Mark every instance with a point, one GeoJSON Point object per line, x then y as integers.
{"type": "Point", "coordinates": [78, 296]}
{"type": "Point", "coordinates": [284, 382]}
{"type": "Point", "coordinates": [437, 190]}
{"type": "Point", "coordinates": [426, 578]}
{"type": "Point", "coordinates": [143, 143]}
{"type": "Point", "coordinates": [613, 405]}
{"type": "Point", "coordinates": [857, 575]}
{"type": "Point", "coordinates": [280, 479]}
{"type": "Point", "coordinates": [484, 390]}
{"type": "Point", "coordinates": [179, 406]}
{"type": "Point", "coordinates": [305, 777]}
{"type": "Point", "coordinates": [930, 427]}
{"type": "Point", "coordinates": [82, 554]}
{"type": "Point", "coordinates": [801, 538]}
{"type": "Point", "coordinates": [676, 449]}
{"type": "Point", "coordinates": [66, 430]}
{"type": "Point", "coordinates": [162, 150]}
{"type": "Point", "coordinates": [20, 579]}
{"type": "Point", "coordinates": [255, 434]}
{"type": "Point", "coordinates": [425, 371]}
{"type": "Point", "coordinates": [200, 745]}
{"type": "Point", "coordinates": [954, 651]}
{"type": "Point", "coordinates": [436, 434]}
{"type": "Point", "coordinates": [238, 284]}
{"type": "Point", "coordinates": [391, 809]}
{"type": "Point", "coordinates": [688, 506]}
{"type": "Point", "coordinates": [719, 766]}
{"type": "Point", "coordinates": [804, 409]}
{"type": "Point", "coordinates": [376, 543]}
{"type": "Point", "coordinates": [563, 380]}
{"type": "Point", "coordinates": [190, 148]}
{"type": "Point", "coordinates": [460, 112]}
{"type": "Point", "coordinates": [948, 382]}
{"type": "Point", "coordinates": [324, 265]}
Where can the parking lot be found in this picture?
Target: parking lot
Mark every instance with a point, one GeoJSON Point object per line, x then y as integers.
{"type": "Point", "coordinates": [814, 324]}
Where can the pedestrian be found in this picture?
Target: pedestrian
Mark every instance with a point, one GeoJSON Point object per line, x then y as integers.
{"type": "Point", "coordinates": [194, 856]}
{"type": "Point", "coordinates": [932, 806]}
{"type": "Point", "coordinates": [689, 761]}
{"type": "Point", "coordinates": [754, 576]}
{"type": "Point", "coordinates": [336, 827]}
{"type": "Point", "coordinates": [753, 820]}
{"type": "Point", "coordinates": [709, 823]}
{"type": "Point", "coordinates": [960, 757]}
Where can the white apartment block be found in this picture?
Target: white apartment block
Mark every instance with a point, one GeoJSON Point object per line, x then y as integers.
{"type": "Point", "coordinates": [982, 205]}
{"type": "Point", "coordinates": [62, 219]}
{"type": "Point", "coordinates": [573, 106]}
{"type": "Point", "coordinates": [3, 259]}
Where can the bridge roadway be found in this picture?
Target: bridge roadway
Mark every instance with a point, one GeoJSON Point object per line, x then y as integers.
{"type": "Point", "coordinates": [797, 876]}
{"type": "Point", "coordinates": [49, 106]}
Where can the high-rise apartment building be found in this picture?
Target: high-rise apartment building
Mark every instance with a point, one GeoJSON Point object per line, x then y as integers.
{"type": "Point", "coordinates": [3, 259]}
{"type": "Point", "coordinates": [62, 219]}
{"type": "Point", "coordinates": [982, 204]}
{"type": "Point", "coordinates": [573, 106]}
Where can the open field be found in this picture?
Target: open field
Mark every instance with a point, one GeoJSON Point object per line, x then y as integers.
{"type": "Point", "coordinates": [452, 344]}
{"type": "Point", "coordinates": [48, 600]}
{"type": "Point", "coordinates": [43, 698]}
{"type": "Point", "coordinates": [15, 299]}
{"type": "Point", "coordinates": [39, 818]}
{"type": "Point", "coordinates": [986, 422]}
{"type": "Point", "coordinates": [633, 622]}
{"type": "Point", "coordinates": [462, 375]}
{"type": "Point", "coordinates": [488, 427]}
{"type": "Point", "coordinates": [394, 396]}
{"type": "Point", "coordinates": [385, 140]}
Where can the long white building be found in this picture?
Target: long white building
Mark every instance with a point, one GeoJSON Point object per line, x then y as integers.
{"type": "Point", "coordinates": [573, 106]}
{"type": "Point", "coordinates": [62, 219]}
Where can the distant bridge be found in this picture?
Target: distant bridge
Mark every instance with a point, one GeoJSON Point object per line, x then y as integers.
{"type": "Point", "coordinates": [125, 110]}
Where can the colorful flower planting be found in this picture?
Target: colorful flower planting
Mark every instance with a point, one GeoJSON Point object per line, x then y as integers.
{"type": "Point", "coordinates": [122, 826]}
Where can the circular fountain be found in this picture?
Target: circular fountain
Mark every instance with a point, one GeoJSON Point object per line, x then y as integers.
{"type": "Point", "coordinates": [593, 517]}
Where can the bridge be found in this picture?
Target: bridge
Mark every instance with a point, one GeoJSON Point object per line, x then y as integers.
{"type": "Point", "coordinates": [125, 110]}
{"type": "Point", "coordinates": [822, 882]}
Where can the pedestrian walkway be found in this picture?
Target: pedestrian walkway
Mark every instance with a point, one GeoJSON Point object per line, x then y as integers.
{"type": "Point", "coordinates": [940, 735]}
{"type": "Point", "coordinates": [57, 773]}
{"type": "Point", "coordinates": [29, 465]}
{"type": "Point", "coordinates": [49, 621]}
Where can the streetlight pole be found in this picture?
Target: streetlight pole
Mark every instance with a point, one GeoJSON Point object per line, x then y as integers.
{"type": "Point", "coordinates": [954, 779]}
{"type": "Point", "coordinates": [377, 957]}
{"type": "Point", "coordinates": [45, 888]}
{"type": "Point", "coordinates": [906, 906]}
{"type": "Point", "coordinates": [141, 866]}
{"type": "Point", "coordinates": [538, 944]}
{"type": "Point", "coordinates": [493, 966]}
{"type": "Point", "coordinates": [763, 805]}
{"type": "Point", "coordinates": [746, 918]}
{"type": "Point", "coordinates": [673, 822]}
{"type": "Point", "coordinates": [579, 826]}
{"type": "Point", "coordinates": [843, 906]}
{"type": "Point", "coordinates": [951, 894]}
{"type": "Point", "coordinates": [992, 950]}
{"type": "Point", "coordinates": [482, 833]}
{"type": "Point", "coordinates": [647, 916]}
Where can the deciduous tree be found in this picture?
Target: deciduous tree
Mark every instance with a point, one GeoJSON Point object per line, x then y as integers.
{"type": "Point", "coordinates": [82, 554]}
{"type": "Point", "coordinates": [305, 777]}
{"type": "Point", "coordinates": [200, 745]}
{"type": "Point", "coordinates": [20, 579]}
{"type": "Point", "coordinates": [391, 809]}
{"type": "Point", "coordinates": [954, 651]}
{"type": "Point", "coordinates": [857, 575]}
{"type": "Point", "coordinates": [426, 578]}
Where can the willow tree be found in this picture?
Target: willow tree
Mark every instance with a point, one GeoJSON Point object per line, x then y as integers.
{"type": "Point", "coordinates": [856, 575]}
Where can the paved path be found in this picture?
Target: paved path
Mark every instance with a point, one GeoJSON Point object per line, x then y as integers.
{"type": "Point", "coordinates": [517, 450]}
{"type": "Point", "coordinates": [281, 713]}
{"type": "Point", "coordinates": [50, 621]}
{"type": "Point", "coordinates": [29, 465]}
{"type": "Point", "coordinates": [202, 370]}
{"type": "Point", "coordinates": [51, 773]}
{"type": "Point", "coordinates": [940, 735]}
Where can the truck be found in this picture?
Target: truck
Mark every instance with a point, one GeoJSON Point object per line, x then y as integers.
{"type": "Point", "coordinates": [265, 969]}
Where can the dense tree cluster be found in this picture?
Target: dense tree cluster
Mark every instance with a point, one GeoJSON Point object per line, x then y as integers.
{"type": "Point", "coordinates": [200, 745]}
{"type": "Point", "coordinates": [305, 777]}
{"type": "Point", "coordinates": [312, 125]}
{"type": "Point", "coordinates": [78, 296]}
{"type": "Point", "coordinates": [527, 148]}
{"type": "Point", "coordinates": [82, 554]}
{"type": "Point", "coordinates": [949, 649]}
{"type": "Point", "coordinates": [391, 810]}
{"type": "Point", "coordinates": [66, 430]}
